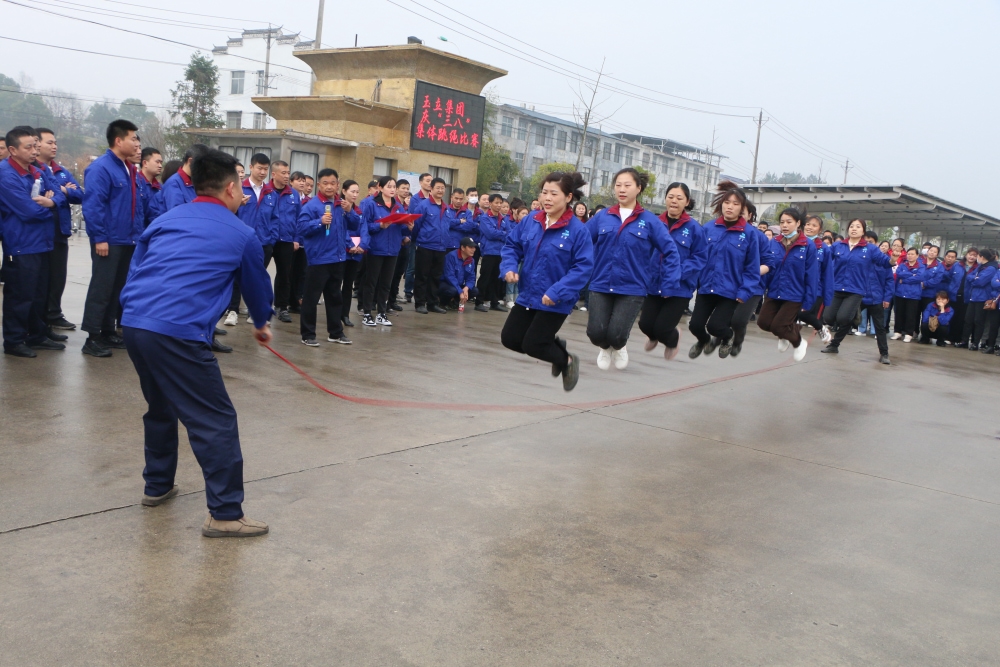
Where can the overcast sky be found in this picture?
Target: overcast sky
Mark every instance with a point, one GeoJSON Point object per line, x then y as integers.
{"type": "Point", "coordinates": [908, 90]}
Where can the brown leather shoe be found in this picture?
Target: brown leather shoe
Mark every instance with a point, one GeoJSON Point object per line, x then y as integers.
{"type": "Point", "coordinates": [242, 527]}
{"type": "Point", "coordinates": [153, 501]}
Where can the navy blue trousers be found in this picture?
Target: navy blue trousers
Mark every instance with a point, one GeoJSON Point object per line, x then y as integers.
{"type": "Point", "coordinates": [181, 380]}
{"type": "Point", "coordinates": [447, 292]}
{"type": "Point", "coordinates": [25, 299]}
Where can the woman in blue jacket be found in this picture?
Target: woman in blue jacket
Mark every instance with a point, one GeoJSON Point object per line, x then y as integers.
{"type": "Point", "coordinates": [556, 256]}
{"type": "Point", "coordinates": [793, 282]}
{"type": "Point", "coordinates": [381, 241]}
{"type": "Point", "coordinates": [909, 281]}
{"type": "Point", "coordinates": [626, 238]}
{"type": "Point", "coordinates": [352, 220]}
{"type": "Point", "coordinates": [980, 290]}
{"type": "Point", "coordinates": [669, 297]}
{"type": "Point", "coordinates": [881, 285]}
{"type": "Point", "coordinates": [731, 275]}
{"type": "Point", "coordinates": [853, 261]}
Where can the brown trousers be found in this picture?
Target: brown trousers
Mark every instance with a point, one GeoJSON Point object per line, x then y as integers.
{"type": "Point", "coordinates": [778, 317]}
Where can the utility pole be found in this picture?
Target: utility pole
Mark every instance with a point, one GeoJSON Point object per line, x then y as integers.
{"type": "Point", "coordinates": [319, 26]}
{"type": "Point", "coordinates": [586, 117]}
{"type": "Point", "coordinates": [267, 62]}
{"type": "Point", "coordinates": [756, 150]}
{"type": "Point", "coordinates": [708, 170]}
{"type": "Point", "coordinates": [847, 165]}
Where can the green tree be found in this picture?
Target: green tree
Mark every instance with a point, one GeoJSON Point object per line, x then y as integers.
{"type": "Point", "coordinates": [495, 166]}
{"type": "Point", "coordinates": [98, 117]}
{"type": "Point", "coordinates": [649, 194]}
{"type": "Point", "coordinates": [546, 169]}
{"type": "Point", "coordinates": [134, 110]}
{"type": "Point", "coordinates": [195, 103]}
{"type": "Point", "coordinates": [791, 177]}
{"type": "Point", "coordinates": [20, 108]}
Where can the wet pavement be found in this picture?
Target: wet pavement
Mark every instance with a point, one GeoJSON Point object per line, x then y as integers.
{"type": "Point", "coordinates": [717, 512]}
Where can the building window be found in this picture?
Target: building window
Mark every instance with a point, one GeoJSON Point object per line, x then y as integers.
{"type": "Point", "coordinates": [619, 151]}
{"type": "Point", "coordinates": [507, 126]}
{"type": "Point", "coordinates": [607, 151]}
{"type": "Point", "coordinates": [697, 173]}
{"type": "Point", "coordinates": [228, 149]}
{"type": "Point", "coordinates": [522, 129]}
{"type": "Point", "coordinates": [519, 158]}
{"type": "Point", "coordinates": [561, 138]}
{"type": "Point", "coordinates": [629, 157]}
{"type": "Point", "coordinates": [382, 167]}
{"type": "Point", "coordinates": [574, 142]}
{"type": "Point", "coordinates": [262, 149]}
{"type": "Point", "coordinates": [234, 120]}
{"type": "Point", "coordinates": [243, 155]}
{"type": "Point", "coordinates": [236, 83]}
{"type": "Point", "coordinates": [307, 163]}
{"type": "Point", "coordinates": [258, 121]}
{"type": "Point", "coordinates": [645, 160]}
{"type": "Point", "coordinates": [585, 172]}
{"type": "Point", "coordinates": [665, 165]}
{"type": "Point", "coordinates": [590, 147]}
{"type": "Point", "coordinates": [605, 176]}
{"type": "Point", "coordinates": [536, 162]}
{"type": "Point", "coordinates": [541, 135]}
{"type": "Point", "coordinates": [261, 84]}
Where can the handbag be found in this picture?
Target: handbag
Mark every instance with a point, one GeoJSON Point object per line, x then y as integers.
{"type": "Point", "coordinates": [990, 305]}
{"type": "Point", "coordinates": [932, 322]}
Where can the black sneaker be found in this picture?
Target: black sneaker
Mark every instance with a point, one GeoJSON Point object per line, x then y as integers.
{"type": "Point", "coordinates": [409, 298]}
{"type": "Point", "coordinates": [884, 359]}
{"type": "Point", "coordinates": [571, 374]}
{"type": "Point", "coordinates": [284, 316]}
{"type": "Point", "coordinates": [21, 350]}
{"type": "Point", "coordinates": [347, 321]}
{"type": "Point", "coordinates": [961, 346]}
{"type": "Point", "coordinates": [113, 341]}
{"type": "Point", "coordinates": [343, 340]}
{"type": "Point", "coordinates": [737, 348]}
{"type": "Point", "coordinates": [220, 332]}
{"type": "Point", "coordinates": [482, 308]}
{"type": "Point", "coordinates": [437, 309]}
{"type": "Point", "coordinates": [59, 338]}
{"type": "Point", "coordinates": [498, 306]}
{"type": "Point", "coordinates": [368, 320]}
{"type": "Point", "coordinates": [219, 347]}
{"type": "Point", "coordinates": [696, 349]}
{"type": "Point", "coordinates": [310, 342]}
{"type": "Point", "coordinates": [830, 349]}
{"type": "Point", "coordinates": [94, 348]}
{"type": "Point", "coordinates": [973, 347]}
{"type": "Point", "coordinates": [726, 347]}
{"type": "Point", "coordinates": [422, 310]}
{"type": "Point", "coordinates": [711, 345]}
{"type": "Point", "coordinates": [46, 344]}
{"type": "Point", "coordinates": [63, 324]}
{"type": "Point", "coordinates": [395, 306]}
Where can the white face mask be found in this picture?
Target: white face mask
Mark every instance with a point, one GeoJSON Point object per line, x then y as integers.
{"type": "Point", "coordinates": [791, 235]}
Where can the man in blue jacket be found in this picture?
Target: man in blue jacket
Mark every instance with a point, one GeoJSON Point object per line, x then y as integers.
{"type": "Point", "coordinates": [253, 185]}
{"type": "Point", "coordinates": [458, 282]}
{"type": "Point", "coordinates": [279, 210]}
{"type": "Point", "coordinates": [112, 211]}
{"type": "Point", "coordinates": [180, 280]}
{"type": "Point", "coordinates": [179, 189]}
{"type": "Point", "coordinates": [432, 236]}
{"type": "Point", "coordinates": [150, 189]}
{"type": "Point", "coordinates": [28, 203]}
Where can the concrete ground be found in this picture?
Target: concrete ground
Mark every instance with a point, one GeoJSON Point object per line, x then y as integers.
{"type": "Point", "coordinates": [753, 512]}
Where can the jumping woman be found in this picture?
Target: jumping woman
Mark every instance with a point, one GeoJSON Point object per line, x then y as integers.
{"type": "Point", "coordinates": [810, 314]}
{"type": "Point", "coordinates": [794, 281]}
{"type": "Point", "coordinates": [853, 261]}
{"type": "Point", "coordinates": [875, 304]}
{"type": "Point", "coordinates": [558, 258]}
{"type": "Point", "coordinates": [731, 275]}
{"type": "Point", "coordinates": [626, 239]}
{"type": "Point", "coordinates": [668, 298]}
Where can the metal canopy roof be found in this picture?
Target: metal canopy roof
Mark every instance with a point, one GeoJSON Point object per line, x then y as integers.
{"type": "Point", "coordinates": [887, 206]}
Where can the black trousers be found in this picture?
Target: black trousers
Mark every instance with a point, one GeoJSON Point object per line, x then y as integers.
{"type": "Point", "coordinates": [876, 313]}
{"type": "Point", "coordinates": [429, 269]}
{"type": "Point", "coordinates": [448, 293]}
{"type": "Point", "coordinates": [811, 316]}
{"type": "Point", "coordinates": [397, 275]}
{"type": "Point", "coordinates": [974, 317]}
{"type": "Point", "coordinates": [181, 380]}
{"type": "Point", "coordinates": [533, 332]}
{"type": "Point", "coordinates": [957, 326]}
{"type": "Point", "coordinates": [489, 284]}
{"type": "Point", "coordinates": [611, 317]}
{"type": "Point", "coordinates": [107, 277]}
{"type": "Point", "coordinates": [840, 315]}
{"type": "Point", "coordinates": [25, 296]}
{"type": "Point", "coordinates": [326, 280]}
{"type": "Point", "coordinates": [741, 318]}
{"type": "Point", "coordinates": [378, 277]}
{"type": "Point", "coordinates": [234, 301]}
{"type": "Point", "coordinates": [284, 259]}
{"type": "Point", "coordinates": [990, 324]}
{"type": "Point", "coordinates": [907, 316]}
{"type": "Point", "coordinates": [712, 316]}
{"type": "Point", "coordinates": [58, 260]}
{"type": "Point", "coordinates": [299, 264]}
{"type": "Point", "coordinates": [942, 333]}
{"type": "Point", "coordinates": [351, 268]}
{"type": "Point", "coordinates": [659, 318]}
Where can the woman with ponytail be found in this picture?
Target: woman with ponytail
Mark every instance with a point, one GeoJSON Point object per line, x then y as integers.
{"type": "Point", "coordinates": [626, 238]}
{"type": "Point", "coordinates": [731, 275]}
{"type": "Point", "coordinates": [556, 256]}
{"type": "Point", "coordinates": [668, 297]}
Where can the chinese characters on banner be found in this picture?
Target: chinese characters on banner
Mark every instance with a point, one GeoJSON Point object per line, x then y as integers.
{"type": "Point", "coordinates": [447, 121]}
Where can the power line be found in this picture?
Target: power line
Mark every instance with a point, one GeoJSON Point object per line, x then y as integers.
{"type": "Point", "coordinates": [31, 91]}
{"type": "Point", "coordinates": [115, 13]}
{"type": "Point", "coordinates": [177, 11]}
{"type": "Point", "coordinates": [96, 53]}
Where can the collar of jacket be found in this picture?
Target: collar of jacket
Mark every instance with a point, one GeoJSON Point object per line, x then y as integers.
{"type": "Point", "coordinates": [862, 242]}
{"type": "Point", "coordinates": [465, 262]}
{"type": "Point", "coordinates": [24, 172]}
{"type": "Point", "coordinates": [205, 199]}
{"type": "Point", "coordinates": [800, 240]}
{"type": "Point", "coordinates": [616, 211]}
{"type": "Point", "coordinates": [55, 166]}
{"type": "Point", "coordinates": [739, 226]}
{"type": "Point", "coordinates": [561, 222]}
{"type": "Point", "coordinates": [499, 218]}
{"type": "Point", "coordinates": [155, 184]}
{"type": "Point", "coordinates": [185, 178]}
{"type": "Point", "coordinates": [924, 262]}
{"type": "Point", "coordinates": [335, 201]}
{"type": "Point", "coordinates": [680, 221]}
{"type": "Point", "coordinates": [269, 187]}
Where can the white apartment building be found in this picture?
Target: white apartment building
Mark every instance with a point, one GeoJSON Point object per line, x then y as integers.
{"type": "Point", "coordinates": [241, 75]}
{"type": "Point", "coordinates": [534, 139]}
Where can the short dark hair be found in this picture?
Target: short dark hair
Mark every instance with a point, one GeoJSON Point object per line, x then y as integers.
{"type": "Point", "coordinates": [864, 225]}
{"type": "Point", "coordinates": [119, 129]}
{"type": "Point", "coordinates": [296, 175]}
{"type": "Point", "coordinates": [372, 184]}
{"type": "Point", "coordinates": [793, 213]}
{"type": "Point", "coordinates": [260, 158]}
{"type": "Point", "coordinates": [39, 131]}
{"type": "Point", "coordinates": [942, 295]}
{"type": "Point", "coordinates": [212, 170]}
{"type": "Point", "coordinates": [950, 252]}
{"type": "Point", "coordinates": [310, 178]}
{"type": "Point", "coordinates": [401, 182]}
{"type": "Point", "coordinates": [423, 176]}
{"type": "Point", "coordinates": [323, 173]}
{"type": "Point", "coordinates": [148, 152]}
{"type": "Point", "coordinates": [495, 196]}
{"type": "Point", "coordinates": [972, 249]}
{"type": "Point", "coordinates": [871, 235]}
{"type": "Point", "coordinates": [14, 136]}
{"type": "Point", "coordinates": [936, 246]}
{"type": "Point", "coordinates": [458, 191]}
{"type": "Point", "coordinates": [435, 181]}
{"type": "Point", "coordinates": [193, 151]}
{"type": "Point", "coordinates": [279, 163]}
{"type": "Point", "coordinates": [677, 185]}
{"type": "Point", "coordinates": [925, 245]}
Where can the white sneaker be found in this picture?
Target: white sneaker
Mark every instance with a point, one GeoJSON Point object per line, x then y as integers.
{"type": "Point", "coordinates": [800, 352]}
{"type": "Point", "coordinates": [383, 320]}
{"type": "Point", "coordinates": [907, 339]}
{"type": "Point", "coordinates": [231, 319]}
{"type": "Point", "coordinates": [583, 309]}
{"type": "Point", "coordinates": [825, 334]}
{"type": "Point", "coordinates": [859, 333]}
{"type": "Point", "coordinates": [510, 304]}
{"type": "Point", "coordinates": [896, 336]}
{"type": "Point", "coordinates": [604, 359]}
{"type": "Point", "coordinates": [783, 344]}
{"type": "Point", "coordinates": [621, 358]}
{"type": "Point", "coordinates": [249, 320]}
